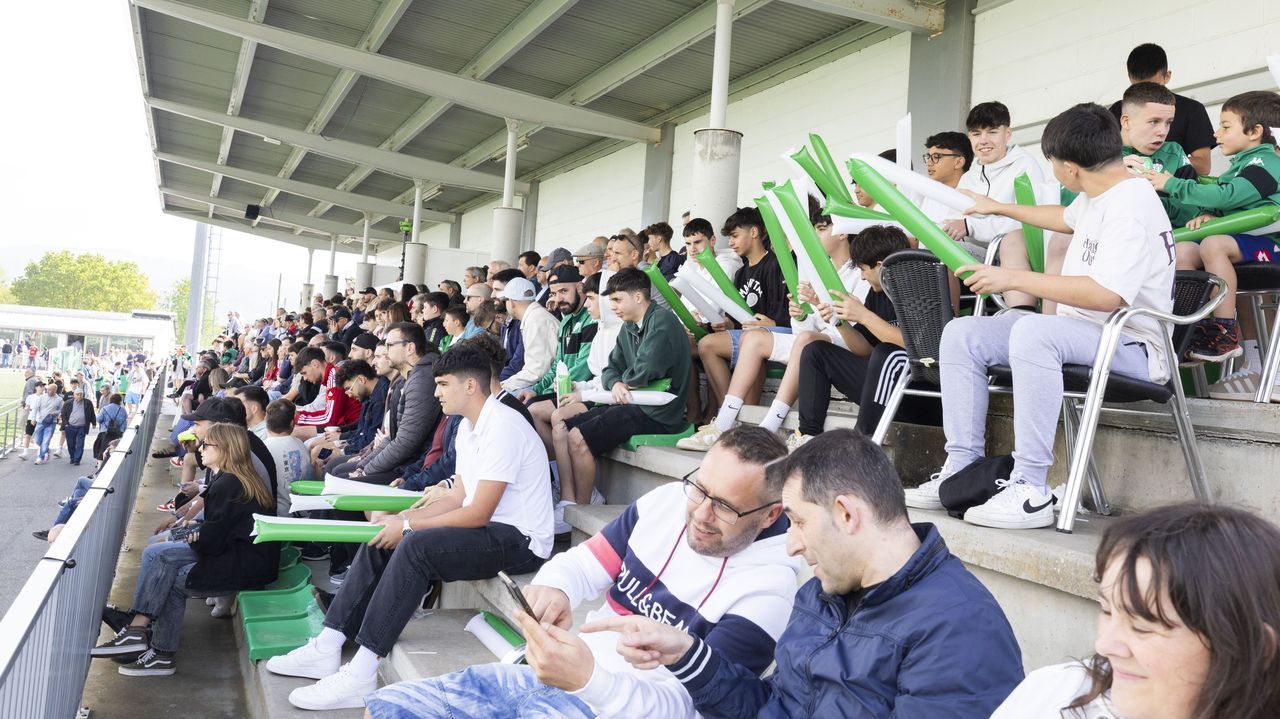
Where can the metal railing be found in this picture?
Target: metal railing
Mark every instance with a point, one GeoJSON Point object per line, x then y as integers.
{"type": "Point", "coordinates": [46, 635]}
{"type": "Point", "coordinates": [11, 426]}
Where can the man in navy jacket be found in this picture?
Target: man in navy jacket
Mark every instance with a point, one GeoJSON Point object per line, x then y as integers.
{"type": "Point", "coordinates": [891, 624]}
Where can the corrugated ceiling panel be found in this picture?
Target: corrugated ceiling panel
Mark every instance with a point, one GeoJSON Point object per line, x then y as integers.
{"type": "Point", "coordinates": [384, 186]}
{"type": "Point", "coordinates": [239, 192]}
{"type": "Point", "coordinates": [372, 111]}
{"type": "Point", "coordinates": [447, 34]}
{"type": "Point", "coordinates": [253, 153]}
{"type": "Point", "coordinates": [184, 177]}
{"type": "Point", "coordinates": [320, 170]}
{"type": "Point", "coordinates": [285, 89]}
{"type": "Point", "coordinates": [457, 131]}
{"type": "Point", "coordinates": [340, 21]}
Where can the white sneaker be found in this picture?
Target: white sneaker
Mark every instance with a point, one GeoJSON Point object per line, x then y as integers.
{"type": "Point", "coordinates": [795, 440]}
{"type": "Point", "coordinates": [23, 455]}
{"type": "Point", "coordinates": [1239, 385]}
{"type": "Point", "coordinates": [702, 440]}
{"type": "Point", "coordinates": [1060, 490]}
{"type": "Point", "coordinates": [57, 452]}
{"type": "Point", "coordinates": [307, 661]}
{"type": "Point", "coordinates": [925, 496]}
{"type": "Point", "coordinates": [562, 527]}
{"type": "Point", "coordinates": [340, 690]}
{"type": "Point", "coordinates": [1018, 505]}
{"type": "Point", "coordinates": [224, 606]}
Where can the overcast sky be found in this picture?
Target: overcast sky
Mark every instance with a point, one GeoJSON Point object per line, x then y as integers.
{"type": "Point", "coordinates": [76, 166]}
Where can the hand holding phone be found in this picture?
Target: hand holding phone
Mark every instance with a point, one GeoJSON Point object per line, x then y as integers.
{"type": "Point", "coordinates": [516, 594]}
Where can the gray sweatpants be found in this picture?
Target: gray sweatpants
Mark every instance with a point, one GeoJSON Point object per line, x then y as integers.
{"type": "Point", "coordinates": [1035, 347]}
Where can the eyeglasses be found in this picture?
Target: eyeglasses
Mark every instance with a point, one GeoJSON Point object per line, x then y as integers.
{"type": "Point", "coordinates": [206, 445]}
{"type": "Point", "coordinates": [723, 511]}
{"type": "Point", "coordinates": [932, 158]}
{"type": "Point", "coordinates": [397, 343]}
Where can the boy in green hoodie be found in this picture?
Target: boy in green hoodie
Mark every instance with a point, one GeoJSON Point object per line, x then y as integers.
{"type": "Point", "coordinates": [1146, 114]}
{"type": "Point", "coordinates": [1252, 180]}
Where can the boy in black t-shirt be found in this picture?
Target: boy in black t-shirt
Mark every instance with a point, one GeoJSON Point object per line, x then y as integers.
{"type": "Point", "coordinates": [1191, 127]}
{"type": "Point", "coordinates": [867, 371]}
{"type": "Point", "coordinates": [760, 283]}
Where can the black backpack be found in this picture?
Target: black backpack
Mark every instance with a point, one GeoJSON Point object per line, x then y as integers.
{"type": "Point", "coordinates": [974, 484]}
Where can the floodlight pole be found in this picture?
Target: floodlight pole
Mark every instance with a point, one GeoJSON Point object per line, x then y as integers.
{"type": "Point", "coordinates": [195, 293]}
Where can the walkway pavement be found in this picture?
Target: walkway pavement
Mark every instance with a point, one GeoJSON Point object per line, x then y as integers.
{"type": "Point", "coordinates": [29, 501]}
{"type": "Point", "coordinates": [208, 684]}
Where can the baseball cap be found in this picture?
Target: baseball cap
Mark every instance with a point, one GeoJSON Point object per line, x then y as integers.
{"type": "Point", "coordinates": [561, 275]}
{"type": "Point", "coordinates": [557, 256]}
{"type": "Point", "coordinates": [518, 289]}
{"type": "Point", "coordinates": [368, 291]}
{"type": "Point", "coordinates": [590, 249]}
{"type": "Point", "coordinates": [479, 289]}
{"type": "Point", "coordinates": [214, 409]}
{"type": "Point", "coordinates": [365, 341]}
{"type": "Point", "coordinates": [340, 312]}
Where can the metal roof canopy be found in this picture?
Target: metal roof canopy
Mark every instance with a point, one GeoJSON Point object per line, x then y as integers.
{"type": "Point", "coordinates": [326, 111]}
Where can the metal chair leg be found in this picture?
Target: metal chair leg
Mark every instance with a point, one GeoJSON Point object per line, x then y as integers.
{"type": "Point", "coordinates": [1187, 438]}
{"type": "Point", "coordinates": [891, 407]}
{"type": "Point", "coordinates": [1271, 358]}
{"type": "Point", "coordinates": [1070, 425]}
{"type": "Point", "coordinates": [1201, 381]}
{"type": "Point", "coordinates": [1260, 322]}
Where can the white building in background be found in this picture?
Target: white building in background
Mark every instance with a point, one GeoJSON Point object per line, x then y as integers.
{"type": "Point", "coordinates": [146, 331]}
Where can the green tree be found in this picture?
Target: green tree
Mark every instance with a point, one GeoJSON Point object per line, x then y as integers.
{"type": "Point", "coordinates": [84, 282]}
{"type": "Point", "coordinates": [178, 299]}
{"type": "Point", "coordinates": [6, 294]}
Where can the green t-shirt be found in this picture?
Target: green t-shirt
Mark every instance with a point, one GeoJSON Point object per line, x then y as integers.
{"type": "Point", "coordinates": [1251, 174]}
{"type": "Point", "coordinates": [1169, 158]}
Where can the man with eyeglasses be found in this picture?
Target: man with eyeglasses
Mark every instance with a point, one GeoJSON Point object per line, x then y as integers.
{"type": "Point", "coordinates": [946, 157]}
{"type": "Point", "coordinates": [705, 556]}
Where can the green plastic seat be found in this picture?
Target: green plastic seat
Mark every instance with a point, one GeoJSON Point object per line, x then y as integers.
{"type": "Point", "coordinates": [657, 440]}
{"type": "Point", "coordinates": [289, 556]}
{"type": "Point", "coordinates": [271, 638]}
{"type": "Point", "coordinates": [291, 578]}
{"type": "Point", "coordinates": [265, 606]}
{"type": "Point", "coordinates": [775, 372]}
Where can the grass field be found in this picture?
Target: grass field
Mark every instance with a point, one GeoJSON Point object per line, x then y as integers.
{"type": "Point", "coordinates": [11, 382]}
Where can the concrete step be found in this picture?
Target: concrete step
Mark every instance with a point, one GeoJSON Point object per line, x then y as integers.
{"type": "Point", "coordinates": [269, 693]}
{"type": "Point", "coordinates": [588, 519]}
{"type": "Point", "coordinates": [434, 644]}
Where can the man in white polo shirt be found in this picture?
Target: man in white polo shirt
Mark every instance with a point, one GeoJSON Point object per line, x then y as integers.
{"type": "Point", "coordinates": [497, 517]}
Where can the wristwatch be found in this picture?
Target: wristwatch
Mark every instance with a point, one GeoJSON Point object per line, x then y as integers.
{"type": "Point", "coordinates": [407, 529]}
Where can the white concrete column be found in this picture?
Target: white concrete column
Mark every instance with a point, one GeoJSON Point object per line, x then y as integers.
{"type": "Point", "coordinates": [195, 296]}
{"type": "Point", "coordinates": [508, 220]}
{"type": "Point", "coordinates": [415, 253]}
{"type": "Point", "coordinates": [720, 63]}
{"type": "Point", "coordinates": [717, 150]}
{"type": "Point", "coordinates": [364, 275]}
{"type": "Point", "coordinates": [307, 290]}
{"type": "Point", "coordinates": [364, 243]}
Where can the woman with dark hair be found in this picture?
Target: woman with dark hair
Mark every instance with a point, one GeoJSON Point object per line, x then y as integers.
{"type": "Point", "coordinates": [397, 312]}
{"type": "Point", "coordinates": [1190, 599]}
{"type": "Point", "coordinates": [213, 557]}
{"type": "Point", "coordinates": [407, 291]}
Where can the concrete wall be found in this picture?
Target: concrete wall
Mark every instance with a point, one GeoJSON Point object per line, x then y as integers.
{"type": "Point", "coordinates": [1036, 57]}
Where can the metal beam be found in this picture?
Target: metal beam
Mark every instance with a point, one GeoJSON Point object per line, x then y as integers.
{"type": "Point", "coordinates": [305, 222]}
{"type": "Point", "coordinates": [907, 15]}
{"type": "Point", "coordinates": [843, 43]}
{"type": "Point", "coordinates": [689, 29]}
{"type": "Point", "coordinates": [310, 242]}
{"type": "Point", "coordinates": [350, 200]}
{"type": "Point", "coordinates": [511, 40]}
{"type": "Point", "coordinates": [239, 81]}
{"type": "Point", "coordinates": [481, 96]}
{"type": "Point", "coordinates": [379, 30]}
{"type": "Point", "coordinates": [413, 168]}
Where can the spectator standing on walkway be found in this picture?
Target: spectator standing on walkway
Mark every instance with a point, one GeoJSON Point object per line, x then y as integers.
{"type": "Point", "coordinates": [44, 412]}
{"type": "Point", "coordinates": [112, 420]}
{"type": "Point", "coordinates": [77, 418]}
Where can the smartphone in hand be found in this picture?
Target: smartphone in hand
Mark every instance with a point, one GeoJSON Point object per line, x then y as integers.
{"type": "Point", "coordinates": [516, 594]}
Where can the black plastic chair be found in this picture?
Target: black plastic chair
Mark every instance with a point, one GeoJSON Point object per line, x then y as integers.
{"type": "Point", "coordinates": [1195, 295]}
{"type": "Point", "coordinates": [917, 284]}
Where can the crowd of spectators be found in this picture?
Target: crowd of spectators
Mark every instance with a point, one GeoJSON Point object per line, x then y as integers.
{"type": "Point", "coordinates": [497, 394]}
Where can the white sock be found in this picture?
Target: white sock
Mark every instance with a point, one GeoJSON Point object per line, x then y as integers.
{"type": "Point", "coordinates": [1252, 358]}
{"type": "Point", "coordinates": [364, 664]}
{"type": "Point", "coordinates": [728, 413]}
{"type": "Point", "coordinates": [773, 418]}
{"type": "Point", "coordinates": [330, 640]}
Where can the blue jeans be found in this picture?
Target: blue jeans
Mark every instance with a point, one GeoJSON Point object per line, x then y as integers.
{"type": "Point", "coordinates": [484, 691]}
{"type": "Point", "coordinates": [161, 591]}
{"type": "Point", "coordinates": [75, 441]}
{"type": "Point", "coordinates": [44, 433]}
{"type": "Point", "coordinates": [77, 493]}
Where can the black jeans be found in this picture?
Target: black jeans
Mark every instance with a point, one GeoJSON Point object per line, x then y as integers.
{"type": "Point", "coordinates": [382, 588]}
{"type": "Point", "coordinates": [866, 380]}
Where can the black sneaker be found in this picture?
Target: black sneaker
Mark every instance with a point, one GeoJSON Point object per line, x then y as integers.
{"type": "Point", "coordinates": [315, 552]}
{"type": "Point", "coordinates": [127, 640]}
{"type": "Point", "coordinates": [41, 534]}
{"type": "Point", "coordinates": [115, 617]}
{"type": "Point", "coordinates": [151, 664]}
